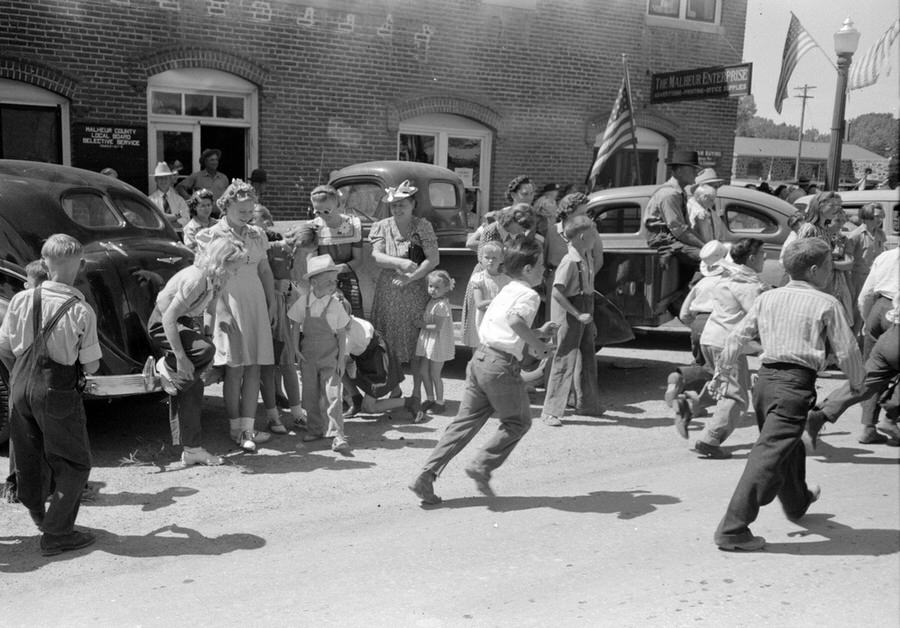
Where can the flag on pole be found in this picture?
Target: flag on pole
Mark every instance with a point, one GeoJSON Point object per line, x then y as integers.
{"type": "Point", "coordinates": [867, 70]}
{"type": "Point", "coordinates": [619, 131]}
{"type": "Point", "coordinates": [797, 43]}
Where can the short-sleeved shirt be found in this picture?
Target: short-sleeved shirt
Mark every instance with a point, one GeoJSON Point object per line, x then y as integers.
{"type": "Point", "coordinates": [189, 234]}
{"type": "Point", "coordinates": [339, 241]}
{"type": "Point", "coordinates": [74, 338]}
{"type": "Point", "coordinates": [495, 331]}
{"type": "Point", "coordinates": [201, 180]}
{"type": "Point", "coordinates": [573, 277]}
{"type": "Point", "coordinates": [331, 306]}
{"type": "Point", "coordinates": [864, 246]}
{"type": "Point", "coordinates": [194, 288]}
{"type": "Point", "coordinates": [386, 238]}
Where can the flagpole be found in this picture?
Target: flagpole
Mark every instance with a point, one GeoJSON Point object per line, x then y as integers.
{"type": "Point", "coordinates": [634, 152]}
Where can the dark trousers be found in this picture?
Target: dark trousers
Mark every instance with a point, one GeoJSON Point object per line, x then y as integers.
{"type": "Point", "coordinates": [574, 365]}
{"type": "Point", "coordinates": [876, 325]}
{"type": "Point", "coordinates": [493, 386]}
{"type": "Point", "coordinates": [48, 431]}
{"type": "Point", "coordinates": [776, 466]}
{"type": "Point", "coordinates": [188, 403]}
{"type": "Point", "coordinates": [882, 367]}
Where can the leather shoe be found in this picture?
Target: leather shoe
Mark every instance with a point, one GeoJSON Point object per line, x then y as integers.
{"type": "Point", "coordinates": [815, 419]}
{"type": "Point", "coordinates": [870, 436]}
{"type": "Point", "coordinates": [423, 487]}
{"type": "Point", "coordinates": [482, 481]}
{"type": "Point", "coordinates": [711, 451]}
{"type": "Point", "coordinates": [53, 544]}
{"type": "Point", "coordinates": [753, 544]}
{"type": "Point", "coordinates": [890, 429]}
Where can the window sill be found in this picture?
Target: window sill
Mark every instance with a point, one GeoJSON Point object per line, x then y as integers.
{"type": "Point", "coordinates": [687, 25]}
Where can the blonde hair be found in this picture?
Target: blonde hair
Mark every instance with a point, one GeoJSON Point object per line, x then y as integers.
{"type": "Point", "coordinates": [61, 246]}
{"type": "Point", "coordinates": [490, 244]}
{"type": "Point", "coordinates": [212, 258]}
{"type": "Point", "coordinates": [444, 277]}
{"type": "Point", "coordinates": [237, 191]}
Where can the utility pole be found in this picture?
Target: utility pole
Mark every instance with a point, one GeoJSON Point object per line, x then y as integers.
{"type": "Point", "coordinates": [805, 97]}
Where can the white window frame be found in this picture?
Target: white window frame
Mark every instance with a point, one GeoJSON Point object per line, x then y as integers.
{"type": "Point", "coordinates": [19, 93]}
{"type": "Point", "coordinates": [683, 21]}
{"type": "Point", "coordinates": [445, 125]}
{"type": "Point", "coordinates": [647, 139]}
{"type": "Point", "coordinates": [207, 82]}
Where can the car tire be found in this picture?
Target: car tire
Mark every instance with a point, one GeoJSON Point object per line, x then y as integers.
{"type": "Point", "coordinates": [4, 405]}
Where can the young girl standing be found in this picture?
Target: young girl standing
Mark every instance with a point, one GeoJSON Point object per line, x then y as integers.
{"type": "Point", "coordinates": [483, 286]}
{"type": "Point", "coordinates": [436, 343]}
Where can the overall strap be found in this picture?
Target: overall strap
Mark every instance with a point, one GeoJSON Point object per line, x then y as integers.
{"type": "Point", "coordinates": [66, 306]}
{"type": "Point", "coordinates": [36, 313]}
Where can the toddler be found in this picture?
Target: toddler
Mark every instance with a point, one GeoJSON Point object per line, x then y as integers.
{"type": "Point", "coordinates": [436, 343]}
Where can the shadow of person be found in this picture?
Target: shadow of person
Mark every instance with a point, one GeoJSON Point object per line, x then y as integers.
{"type": "Point", "coordinates": [147, 501]}
{"type": "Point", "coordinates": [840, 539]}
{"type": "Point", "coordinates": [170, 540]}
{"type": "Point", "coordinates": [828, 453]}
{"type": "Point", "coordinates": [624, 504]}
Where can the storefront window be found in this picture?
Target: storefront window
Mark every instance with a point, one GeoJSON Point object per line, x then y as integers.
{"type": "Point", "coordinates": [34, 123]}
{"type": "Point", "coordinates": [684, 13]}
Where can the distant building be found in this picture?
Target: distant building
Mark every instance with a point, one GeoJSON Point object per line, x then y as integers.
{"type": "Point", "coordinates": [758, 159]}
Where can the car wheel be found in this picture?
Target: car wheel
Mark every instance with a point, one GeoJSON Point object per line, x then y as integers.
{"type": "Point", "coordinates": [4, 405]}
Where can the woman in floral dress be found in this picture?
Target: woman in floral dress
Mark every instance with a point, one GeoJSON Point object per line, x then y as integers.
{"type": "Point", "coordinates": [406, 249]}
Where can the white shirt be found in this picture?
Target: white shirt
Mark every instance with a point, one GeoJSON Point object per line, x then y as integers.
{"type": "Point", "coordinates": [884, 278]}
{"type": "Point", "coordinates": [359, 335]}
{"type": "Point", "coordinates": [337, 316]}
{"type": "Point", "coordinates": [177, 206]}
{"type": "Point", "coordinates": [732, 299]}
{"type": "Point", "coordinates": [495, 331]}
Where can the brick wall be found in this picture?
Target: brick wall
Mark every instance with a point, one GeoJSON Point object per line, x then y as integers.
{"type": "Point", "coordinates": [335, 77]}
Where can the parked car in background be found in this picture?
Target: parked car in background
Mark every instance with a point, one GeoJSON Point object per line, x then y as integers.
{"type": "Point", "coordinates": [632, 276]}
{"type": "Point", "coordinates": [130, 251]}
{"type": "Point", "coordinates": [852, 200]}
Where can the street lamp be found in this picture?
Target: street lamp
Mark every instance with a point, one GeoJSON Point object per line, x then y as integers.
{"type": "Point", "coordinates": [845, 42]}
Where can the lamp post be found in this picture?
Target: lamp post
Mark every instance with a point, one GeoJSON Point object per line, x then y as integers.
{"type": "Point", "coordinates": [845, 42]}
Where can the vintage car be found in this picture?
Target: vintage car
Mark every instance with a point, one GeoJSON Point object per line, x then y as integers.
{"type": "Point", "coordinates": [852, 200]}
{"type": "Point", "coordinates": [632, 277]}
{"type": "Point", "coordinates": [130, 251]}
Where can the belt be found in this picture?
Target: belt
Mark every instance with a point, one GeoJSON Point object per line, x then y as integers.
{"type": "Point", "coordinates": [503, 354]}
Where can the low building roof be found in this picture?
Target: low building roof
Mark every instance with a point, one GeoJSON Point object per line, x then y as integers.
{"type": "Point", "coordinates": [762, 147]}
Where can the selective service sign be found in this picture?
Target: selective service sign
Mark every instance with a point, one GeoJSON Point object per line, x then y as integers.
{"type": "Point", "coordinates": [720, 81]}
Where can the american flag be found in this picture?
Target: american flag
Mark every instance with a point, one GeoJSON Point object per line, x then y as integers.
{"type": "Point", "coordinates": [618, 133]}
{"type": "Point", "coordinates": [797, 43]}
{"type": "Point", "coordinates": [868, 68]}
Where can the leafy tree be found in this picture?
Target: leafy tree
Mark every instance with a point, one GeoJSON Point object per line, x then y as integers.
{"type": "Point", "coordinates": [876, 132]}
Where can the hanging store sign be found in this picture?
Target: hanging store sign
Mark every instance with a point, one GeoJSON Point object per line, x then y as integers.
{"type": "Point", "coordinates": [721, 81]}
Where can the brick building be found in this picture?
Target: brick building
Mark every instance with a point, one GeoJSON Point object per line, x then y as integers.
{"type": "Point", "coordinates": [494, 88]}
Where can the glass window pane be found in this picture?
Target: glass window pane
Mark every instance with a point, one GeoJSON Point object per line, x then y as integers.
{"type": "Point", "coordinates": [198, 105]}
{"type": "Point", "coordinates": [30, 133]}
{"type": "Point", "coordinates": [665, 8]}
{"type": "Point", "coordinates": [174, 148]}
{"type": "Point", "coordinates": [442, 194]}
{"type": "Point", "coordinates": [464, 158]}
{"type": "Point", "coordinates": [89, 210]}
{"type": "Point", "coordinates": [166, 103]}
{"type": "Point", "coordinates": [701, 10]}
{"type": "Point", "coordinates": [363, 200]}
{"type": "Point", "coordinates": [619, 218]}
{"type": "Point", "coordinates": [746, 220]}
{"type": "Point", "coordinates": [228, 107]}
{"type": "Point", "coordinates": [418, 148]}
{"type": "Point", "coordinates": [137, 213]}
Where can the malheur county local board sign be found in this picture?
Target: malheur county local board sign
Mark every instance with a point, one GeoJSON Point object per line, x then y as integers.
{"type": "Point", "coordinates": [719, 81]}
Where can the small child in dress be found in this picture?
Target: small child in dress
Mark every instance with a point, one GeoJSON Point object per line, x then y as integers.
{"type": "Point", "coordinates": [436, 342]}
{"type": "Point", "coordinates": [483, 286]}
{"type": "Point", "coordinates": [324, 317]}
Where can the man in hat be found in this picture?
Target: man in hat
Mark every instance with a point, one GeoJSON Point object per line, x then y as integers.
{"type": "Point", "coordinates": [798, 189]}
{"type": "Point", "coordinates": [207, 178]}
{"type": "Point", "coordinates": [166, 198]}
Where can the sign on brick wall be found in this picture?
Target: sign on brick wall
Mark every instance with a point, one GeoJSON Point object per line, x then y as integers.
{"type": "Point", "coordinates": [719, 81]}
{"type": "Point", "coordinates": [124, 148]}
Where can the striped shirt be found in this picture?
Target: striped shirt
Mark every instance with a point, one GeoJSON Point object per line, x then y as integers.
{"type": "Point", "coordinates": [800, 325]}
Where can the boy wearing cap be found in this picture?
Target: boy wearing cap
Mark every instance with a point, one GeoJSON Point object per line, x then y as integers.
{"type": "Point", "coordinates": [732, 299]}
{"type": "Point", "coordinates": [324, 318]}
{"type": "Point", "coordinates": [166, 198]}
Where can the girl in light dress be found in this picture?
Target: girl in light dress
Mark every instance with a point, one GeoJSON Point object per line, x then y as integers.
{"type": "Point", "coordinates": [484, 285]}
{"type": "Point", "coordinates": [436, 344]}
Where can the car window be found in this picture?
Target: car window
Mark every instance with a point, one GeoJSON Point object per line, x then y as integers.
{"type": "Point", "coordinates": [363, 200]}
{"type": "Point", "coordinates": [620, 218]}
{"type": "Point", "coordinates": [442, 194]}
{"type": "Point", "coordinates": [137, 213]}
{"type": "Point", "coordinates": [89, 209]}
{"type": "Point", "coordinates": [9, 285]}
{"type": "Point", "coordinates": [750, 220]}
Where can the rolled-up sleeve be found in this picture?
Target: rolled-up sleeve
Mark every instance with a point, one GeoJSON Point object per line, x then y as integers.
{"type": "Point", "coordinates": [671, 208]}
{"type": "Point", "coordinates": [89, 349]}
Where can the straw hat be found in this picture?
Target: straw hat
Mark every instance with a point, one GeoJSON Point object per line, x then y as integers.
{"type": "Point", "coordinates": [318, 264]}
{"type": "Point", "coordinates": [712, 253]}
{"type": "Point", "coordinates": [163, 170]}
{"type": "Point", "coordinates": [404, 190]}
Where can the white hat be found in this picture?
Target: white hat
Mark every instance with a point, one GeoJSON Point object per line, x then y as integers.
{"type": "Point", "coordinates": [404, 190]}
{"type": "Point", "coordinates": [711, 254]}
{"type": "Point", "coordinates": [708, 176]}
{"type": "Point", "coordinates": [162, 170]}
{"type": "Point", "coordinates": [318, 264]}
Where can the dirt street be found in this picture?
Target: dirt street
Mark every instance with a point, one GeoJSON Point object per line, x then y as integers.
{"type": "Point", "coordinates": [603, 522]}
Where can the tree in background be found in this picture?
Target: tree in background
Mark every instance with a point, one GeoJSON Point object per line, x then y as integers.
{"type": "Point", "coordinates": [751, 125]}
{"type": "Point", "coordinates": [876, 132]}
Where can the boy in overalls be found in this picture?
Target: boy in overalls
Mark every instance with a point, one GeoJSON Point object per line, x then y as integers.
{"type": "Point", "coordinates": [47, 339]}
{"type": "Point", "coordinates": [324, 318]}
